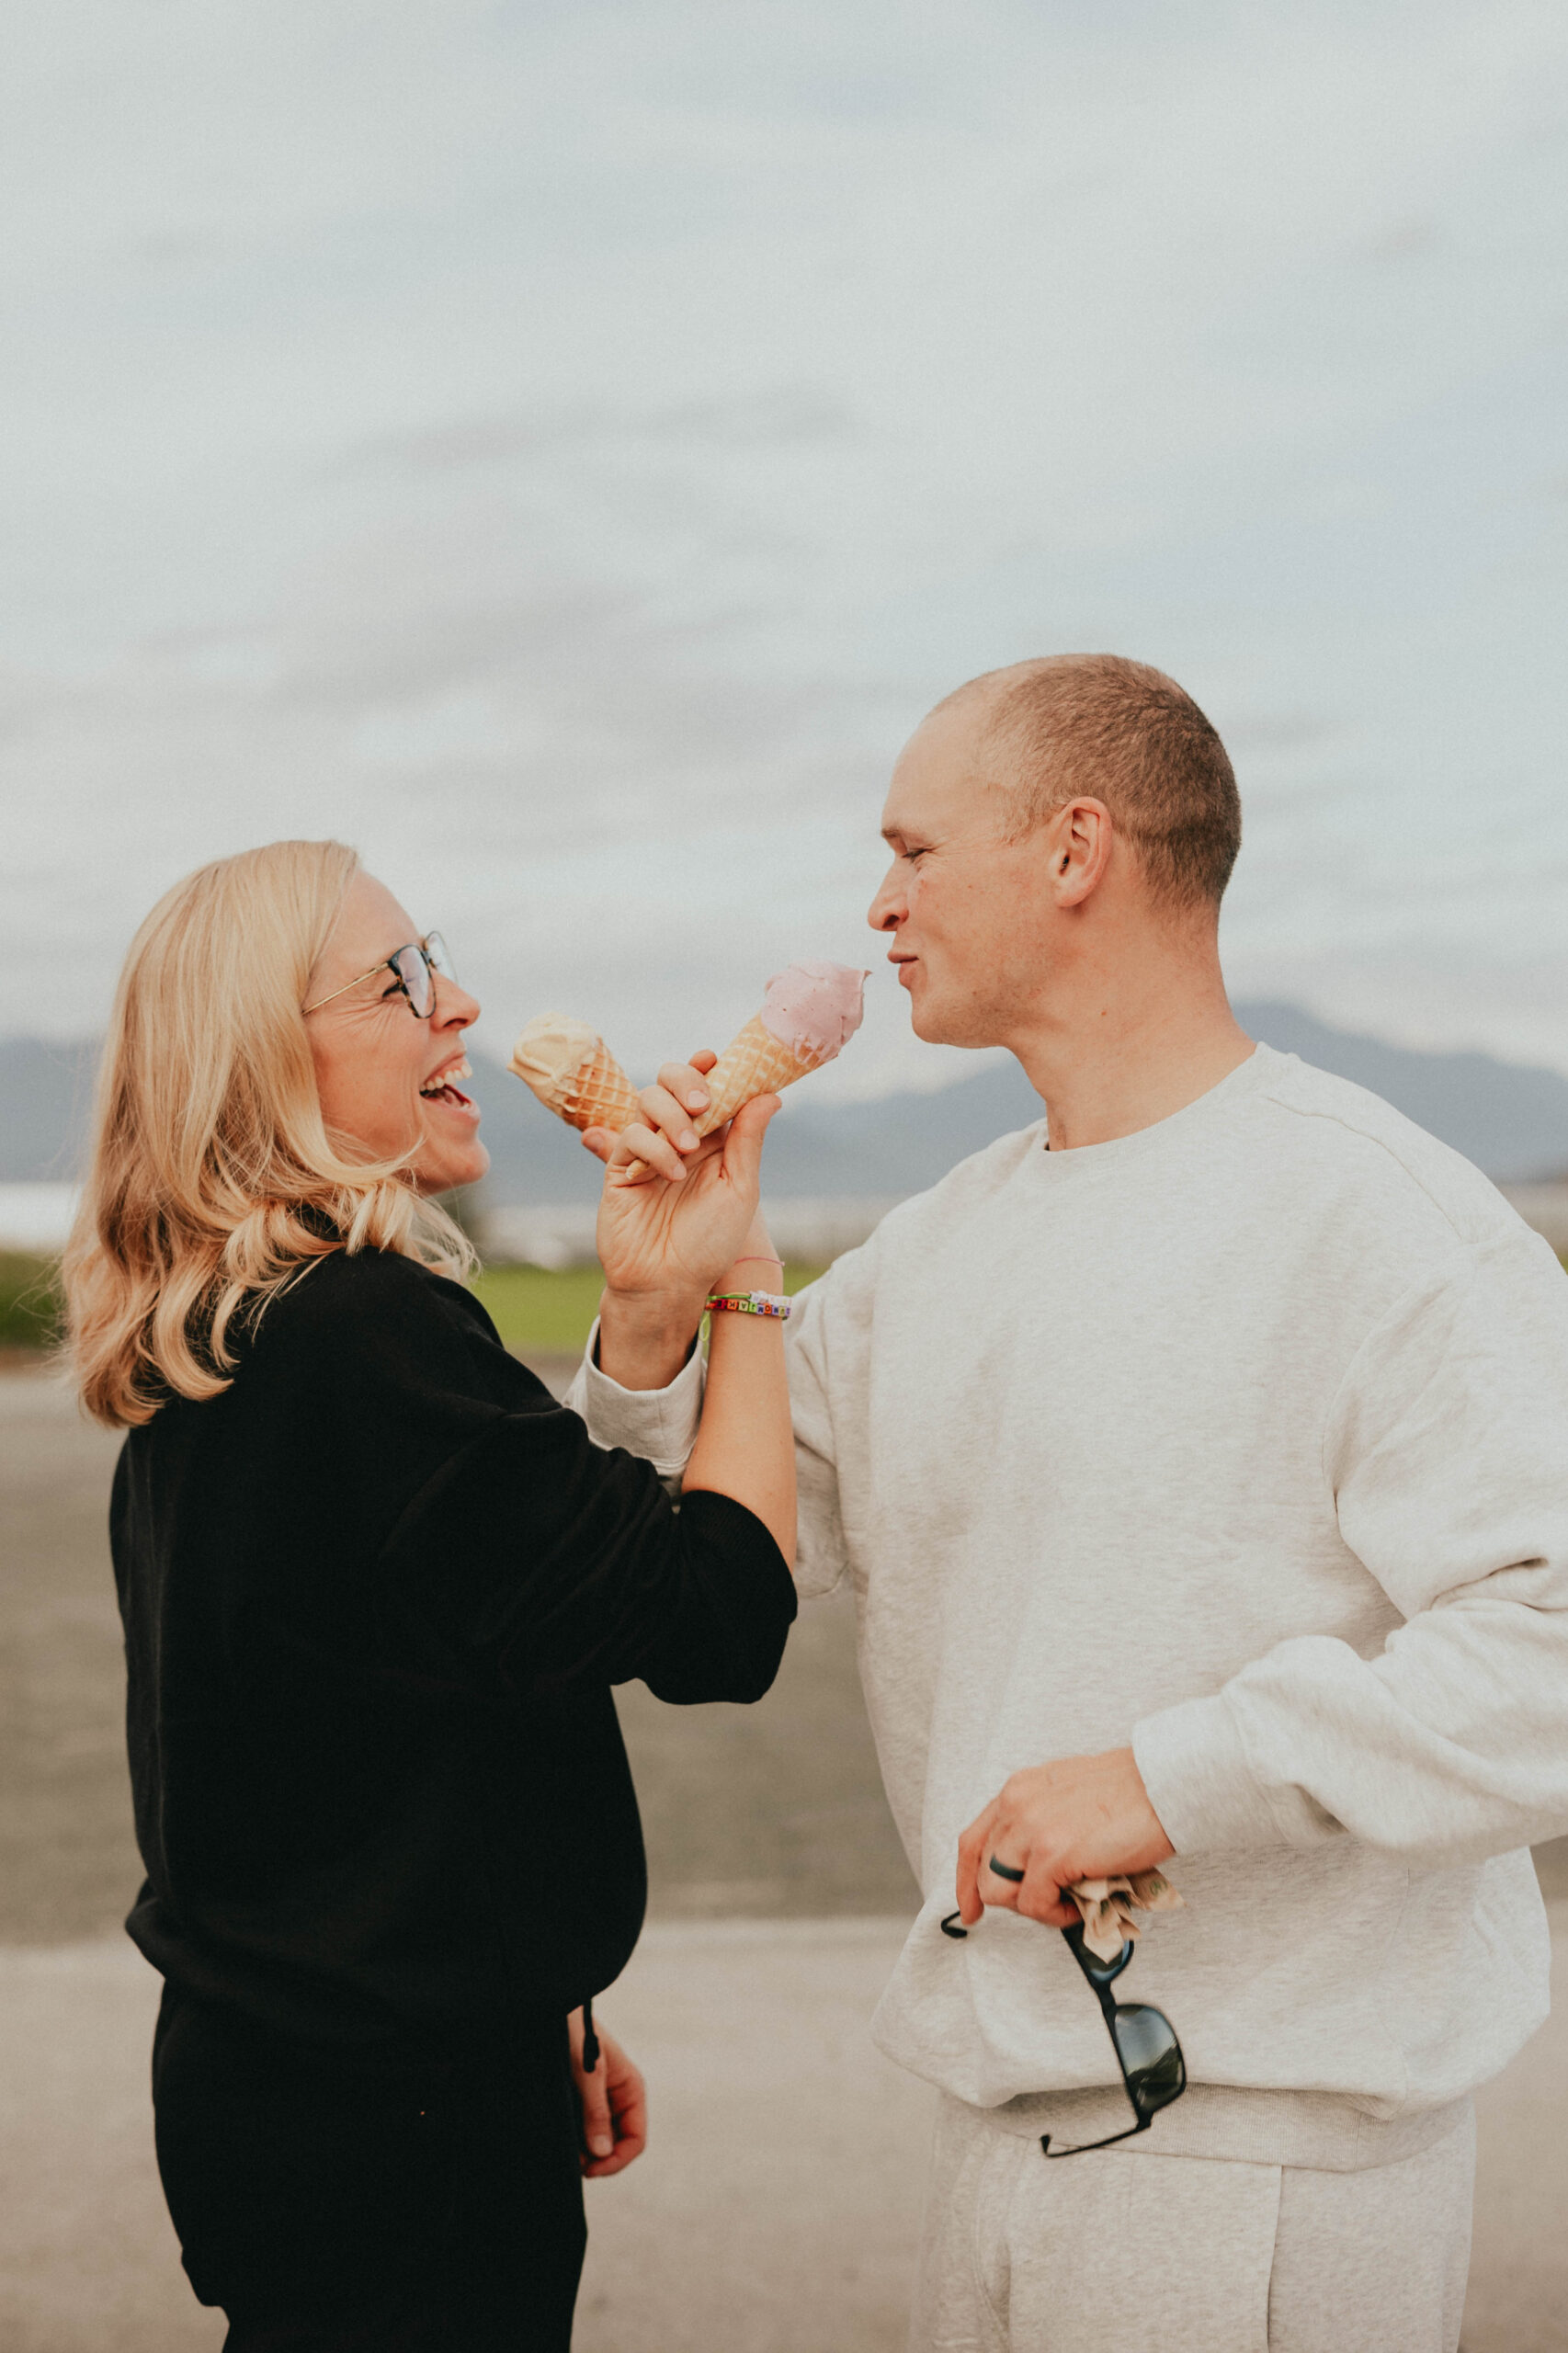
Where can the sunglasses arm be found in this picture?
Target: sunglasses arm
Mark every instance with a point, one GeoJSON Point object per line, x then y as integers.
{"type": "Point", "coordinates": [1081, 2148]}
{"type": "Point", "coordinates": [1101, 1975]}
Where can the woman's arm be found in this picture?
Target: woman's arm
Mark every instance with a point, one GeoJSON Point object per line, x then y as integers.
{"type": "Point", "coordinates": [671, 1221]}
{"type": "Point", "coordinates": [677, 1219]}
{"type": "Point", "coordinates": [745, 1447]}
{"type": "Point", "coordinates": [444, 1517]}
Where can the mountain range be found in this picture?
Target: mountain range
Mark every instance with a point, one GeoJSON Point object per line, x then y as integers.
{"type": "Point", "coordinates": [1511, 1119]}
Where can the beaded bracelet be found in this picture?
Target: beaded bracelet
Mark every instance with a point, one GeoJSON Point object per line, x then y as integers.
{"type": "Point", "coordinates": [750, 1302]}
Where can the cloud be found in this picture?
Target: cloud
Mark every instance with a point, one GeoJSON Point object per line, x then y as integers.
{"type": "Point", "coordinates": [564, 450]}
{"type": "Point", "coordinates": [789, 412]}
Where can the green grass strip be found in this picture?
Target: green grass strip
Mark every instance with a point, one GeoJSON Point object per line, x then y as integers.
{"type": "Point", "coordinates": [552, 1314]}
{"type": "Point", "coordinates": [29, 1299]}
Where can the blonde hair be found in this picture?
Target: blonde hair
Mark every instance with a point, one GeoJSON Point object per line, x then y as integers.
{"type": "Point", "coordinates": [213, 1182]}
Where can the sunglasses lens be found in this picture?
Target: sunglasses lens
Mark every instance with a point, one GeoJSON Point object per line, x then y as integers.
{"type": "Point", "coordinates": [440, 955]}
{"type": "Point", "coordinates": [414, 974]}
{"type": "Point", "coordinates": [1149, 2056]}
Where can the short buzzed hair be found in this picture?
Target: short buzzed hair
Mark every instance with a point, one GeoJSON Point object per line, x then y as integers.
{"type": "Point", "coordinates": [1126, 734]}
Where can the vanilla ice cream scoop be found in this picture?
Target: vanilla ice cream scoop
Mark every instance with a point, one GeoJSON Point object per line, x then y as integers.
{"type": "Point", "coordinates": [573, 1073]}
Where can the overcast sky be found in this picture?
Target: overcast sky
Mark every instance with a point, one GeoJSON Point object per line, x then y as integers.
{"type": "Point", "coordinates": [563, 450]}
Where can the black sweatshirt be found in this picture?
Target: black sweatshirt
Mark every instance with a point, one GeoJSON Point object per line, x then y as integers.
{"type": "Point", "coordinates": [375, 1596]}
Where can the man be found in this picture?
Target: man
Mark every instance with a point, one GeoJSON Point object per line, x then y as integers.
{"type": "Point", "coordinates": [1199, 1461]}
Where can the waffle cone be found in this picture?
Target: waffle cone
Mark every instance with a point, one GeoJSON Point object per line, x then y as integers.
{"type": "Point", "coordinates": [598, 1093]}
{"type": "Point", "coordinates": [602, 1095]}
{"type": "Point", "coordinates": [754, 1062]}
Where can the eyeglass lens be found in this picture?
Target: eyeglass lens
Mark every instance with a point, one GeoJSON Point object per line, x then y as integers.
{"type": "Point", "coordinates": [416, 966]}
{"type": "Point", "coordinates": [1149, 2056]}
{"type": "Point", "coordinates": [414, 974]}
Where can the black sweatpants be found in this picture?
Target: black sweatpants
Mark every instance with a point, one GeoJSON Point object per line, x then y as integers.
{"type": "Point", "coordinates": [328, 2205]}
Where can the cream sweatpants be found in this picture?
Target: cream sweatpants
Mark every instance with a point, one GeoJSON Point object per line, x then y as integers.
{"type": "Point", "coordinates": [1188, 2255]}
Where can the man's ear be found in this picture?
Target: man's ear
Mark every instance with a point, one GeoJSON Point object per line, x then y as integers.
{"type": "Point", "coordinates": [1079, 837]}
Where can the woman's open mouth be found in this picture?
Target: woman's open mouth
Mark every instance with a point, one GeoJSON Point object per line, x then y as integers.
{"type": "Point", "coordinates": [441, 1087]}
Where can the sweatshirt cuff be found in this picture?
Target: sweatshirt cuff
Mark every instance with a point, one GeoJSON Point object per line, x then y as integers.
{"type": "Point", "coordinates": [659, 1425]}
{"type": "Point", "coordinates": [1200, 1781]}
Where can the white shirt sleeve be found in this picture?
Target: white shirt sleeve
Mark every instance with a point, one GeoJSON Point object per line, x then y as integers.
{"type": "Point", "coordinates": [820, 1554]}
{"type": "Point", "coordinates": [1447, 1453]}
{"type": "Point", "coordinates": [660, 1425]}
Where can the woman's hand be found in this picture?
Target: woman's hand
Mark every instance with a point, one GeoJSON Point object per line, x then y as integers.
{"type": "Point", "coordinates": [677, 1212]}
{"type": "Point", "coordinates": [614, 2103]}
{"type": "Point", "coordinates": [674, 1215]}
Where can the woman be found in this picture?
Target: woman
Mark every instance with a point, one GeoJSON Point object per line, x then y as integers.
{"type": "Point", "coordinates": [376, 1587]}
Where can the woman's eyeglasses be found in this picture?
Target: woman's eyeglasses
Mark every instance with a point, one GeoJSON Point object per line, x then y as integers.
{"type": "Point", "coordinates": [414, 971]}
{"type": "Point", "coordinates": [1153, 2071]}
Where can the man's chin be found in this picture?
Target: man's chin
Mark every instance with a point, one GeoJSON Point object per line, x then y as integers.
{"type": "Point", "coordinates": [927, 1020]}
{"type": "Point", "coordinates": [935, 1027]}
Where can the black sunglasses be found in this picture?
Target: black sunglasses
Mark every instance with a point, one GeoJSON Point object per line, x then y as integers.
{"type": "Point", "coordinates": [414, 971]}
{"type": "Point", "coordinates": [1153, 2071]}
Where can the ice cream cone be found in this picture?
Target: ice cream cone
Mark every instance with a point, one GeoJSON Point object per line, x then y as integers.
{"type": "Point", "coordinates": [754, 1062]}
{"type": "Point", "coordinates": [575, 1074]}
{"type": "Point", "coordinates": [807, 1013]}
{"type": "Point", "coordinates": [603, 1097]}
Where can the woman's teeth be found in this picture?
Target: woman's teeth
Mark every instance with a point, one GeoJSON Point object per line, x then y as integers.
{"type": "Point", "coordinates": [442, 1084]}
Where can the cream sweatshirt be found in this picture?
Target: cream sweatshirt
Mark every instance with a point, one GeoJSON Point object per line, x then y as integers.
{"type": "Point", "coordinates": [1244, 1439]}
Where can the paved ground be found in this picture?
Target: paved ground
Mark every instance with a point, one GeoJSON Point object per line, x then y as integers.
{"type": "Point", "coordinates": [778, 2207]}
{"type": "Point", "coordinates": [775, 2212]}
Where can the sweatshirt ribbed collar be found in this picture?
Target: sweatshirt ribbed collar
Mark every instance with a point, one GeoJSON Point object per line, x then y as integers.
{"type": "Point", "coordinates": [1183, 1127]}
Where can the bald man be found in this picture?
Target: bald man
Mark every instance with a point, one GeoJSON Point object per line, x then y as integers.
{"type": "Point", "coordinates": [1198, 1458]}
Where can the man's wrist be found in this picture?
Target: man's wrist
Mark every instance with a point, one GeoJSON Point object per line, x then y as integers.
{"type": "Point", "coordinates": [646, 1337]}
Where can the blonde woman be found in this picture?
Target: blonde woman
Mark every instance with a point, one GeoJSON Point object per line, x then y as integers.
{"type": "Point", "coordinates": [376, 1587]}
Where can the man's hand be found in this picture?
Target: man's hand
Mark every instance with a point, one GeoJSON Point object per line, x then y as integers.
{"type": "Point", "coordinates": [614, 2102]}
{"type": "Point", "coordinates": [1080, 1817]}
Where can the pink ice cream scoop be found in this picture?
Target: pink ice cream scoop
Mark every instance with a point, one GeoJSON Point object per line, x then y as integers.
{"type": "Point", "coordinates": [807, 1014]}
{"type": "Point", "coordinates": [814, 1009]}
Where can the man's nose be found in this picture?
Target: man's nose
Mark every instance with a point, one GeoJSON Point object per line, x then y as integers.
{"type": "Point", "coordinates": [887, 909]}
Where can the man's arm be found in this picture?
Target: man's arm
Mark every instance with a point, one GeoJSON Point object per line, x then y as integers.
{"type": "Point", "coordinates": [660, 1425]}
{"type": "Point", "coordinates": [1447, 1452]}
{"type": "Point", "coordinates": [821, 1556]}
